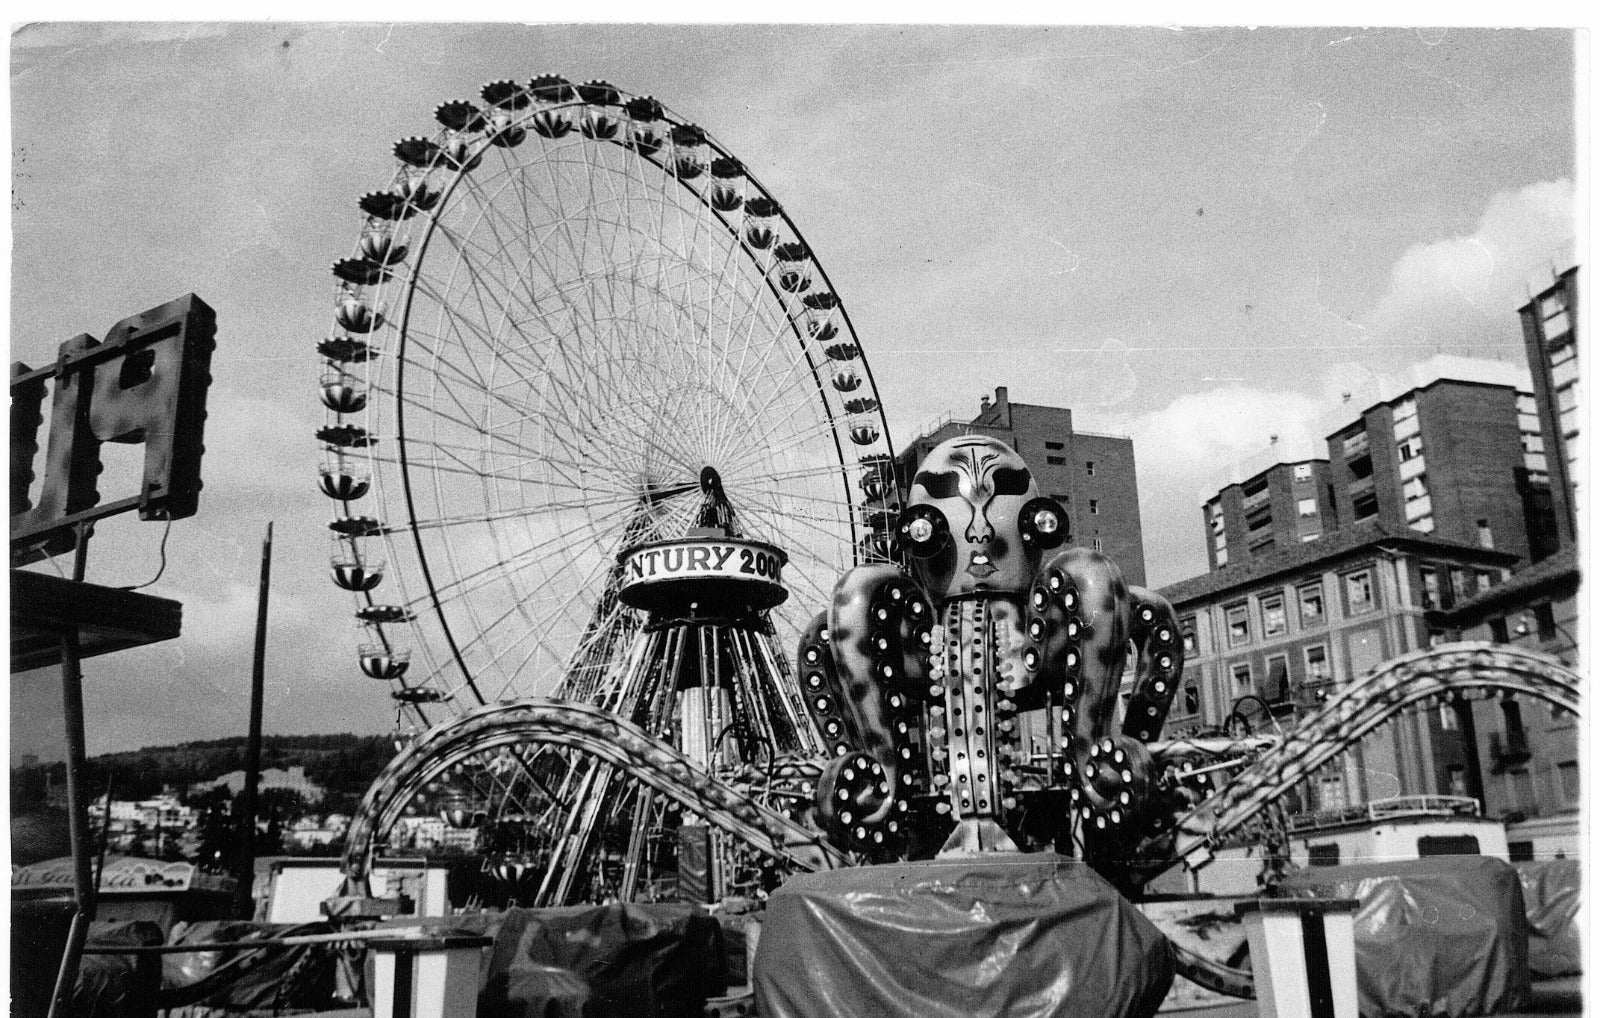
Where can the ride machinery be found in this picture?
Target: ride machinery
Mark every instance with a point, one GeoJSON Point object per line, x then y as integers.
{"type": "Point", "coordinates": [625, 441]}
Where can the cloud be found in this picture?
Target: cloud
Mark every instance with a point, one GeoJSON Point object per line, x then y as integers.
{"type": "Point", "coordinates": [1183, 448]}
{"type": "Point", "coordinates": [1465, 290]}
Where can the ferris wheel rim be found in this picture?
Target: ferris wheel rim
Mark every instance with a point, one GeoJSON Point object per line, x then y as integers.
{"type": "Point", "coordinates": [784, 309]}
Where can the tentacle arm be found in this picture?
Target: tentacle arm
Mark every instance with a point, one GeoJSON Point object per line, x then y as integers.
{"type": "Point", "coordinates": [864, 672]}
{"type": "Point", "coordinates": [1078, 627]}
{"type": "Point", "coordinates": [1153, 631]}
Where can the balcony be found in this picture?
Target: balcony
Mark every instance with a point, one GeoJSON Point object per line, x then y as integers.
{"type": "Point", "coordinates": [1385, 809]}
{"type": "Point", "coordinates": [1509, 749]}
{"type": "Point", "coordinates": [1356, 445]}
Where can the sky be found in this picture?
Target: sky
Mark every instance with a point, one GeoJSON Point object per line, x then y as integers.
{"type": "Point", "coordinates": [1196, 238]}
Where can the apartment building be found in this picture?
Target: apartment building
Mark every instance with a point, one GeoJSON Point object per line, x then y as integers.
{"type": "Point", "coordinates": [1279, 633]}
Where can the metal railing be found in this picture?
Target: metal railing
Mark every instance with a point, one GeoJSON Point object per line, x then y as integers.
{"type": "Point", "coordinates": [1387, 809]}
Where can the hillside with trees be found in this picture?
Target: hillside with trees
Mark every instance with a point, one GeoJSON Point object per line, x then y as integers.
{"type": "Point", "coordinates": [343, 764]}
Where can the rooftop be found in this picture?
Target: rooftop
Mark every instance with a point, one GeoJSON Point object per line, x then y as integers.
{"type": "Point", "coordinates": [1558, 568]}
{"type": "Point", "coordinates": [1310, 444]}
{"type": "Point", "coordinates": [1345, 542]}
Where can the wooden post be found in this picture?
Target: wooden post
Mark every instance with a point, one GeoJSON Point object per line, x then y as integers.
{"type": "Point", "coordinates": [252, 771]}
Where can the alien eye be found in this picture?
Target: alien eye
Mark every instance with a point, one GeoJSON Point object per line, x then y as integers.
{"type": "Point", "coordinates": [939, 483]}
{"type": "Point", "coordinates": [1011, 481]}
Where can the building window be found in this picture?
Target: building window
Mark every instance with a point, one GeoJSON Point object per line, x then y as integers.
{"type": "Point", "coordinates": [1522, 792]}
{"type": "Point", "coordinates": [1098, 546]}
{"type": "Point", "coordinates": [1323, 855]}
{"type": "Point", "coordinates": [1512, 710]}
{"type": "Point", "coordinates": [1432, 595]}
{"type": "Point", "coordinates": [1411, 448]}
{"type": "Point", "coordinates": [1272, 621]}
{"type": "Point", "coordinates": [1311, 604]}
{"type": "Point", "coordinates": [1317, 663]}
{"type": "Point", "coordinates": [1191, 699]}
{"type": "Point", "coordinates": [1241, 678]}
{"type": "Point", "coordinates": [1308, 507]}
{"type": "Point", "coordinates": [1222, 557]}
{"type": "Point", "coordinates": [1094, 507]}
{"type": "Point", "coordinates": [1358, 591]}
{"type": "Point", "coordinates": [1364, 506]}
{"type": "Point", "coordinates": [1238, 625]}
{"type": "Point", "coordinates": [1485, 534]}
{"type": "Point", "coordinates": [1485, 580]}
{"type": "Point", "coordinates": [1568, 772]}
{"type": "Point", "coordinates": [1447, 844]}
{"type": "Point", "coordinates": [1302, 471]}
{"type": "Point", "coordinates": [1520, 851]}
{"type": "Point", "coordinates": [1056, 461]}
{"type": "Point", "coordinates": [1497, 631]}
{"type": "Point", "coordinates": [1088, 467]}
{"type": "Point", "coordinates": [1191, 643]}
{"type": "Point", "coordinates": [1277, 687]}
{"type": "Point", "coordinates": [1054, 446]}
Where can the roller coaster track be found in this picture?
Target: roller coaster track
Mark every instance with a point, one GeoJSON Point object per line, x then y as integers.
{"type": "Point", "coordinates": [1374, 699]}
{"type": "Point", "coordinates": [594, 733]}
{"type": "Point", "coordinates": [1358, 709]}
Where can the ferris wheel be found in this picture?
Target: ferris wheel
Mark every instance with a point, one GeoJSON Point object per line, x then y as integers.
{"type": "Point", "coordinates": [566, 304]}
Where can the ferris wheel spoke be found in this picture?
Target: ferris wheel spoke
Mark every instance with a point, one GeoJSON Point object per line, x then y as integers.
{"type": "Point", "coordinates": [764, 445]}
{"type": "Point", "coordinates": [477, 275]}
{"type": "Point", "coordinates": [494, 219]}
{"type": "Point", "coordinates": [470, 427]}
{"type": "Point", "coordinates": [523, 511]}
{"type": "Point", "coordinates": [474, 580]}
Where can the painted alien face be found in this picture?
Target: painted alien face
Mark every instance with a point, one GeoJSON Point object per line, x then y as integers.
{"type": "Point", "coordinates": [979, 486]}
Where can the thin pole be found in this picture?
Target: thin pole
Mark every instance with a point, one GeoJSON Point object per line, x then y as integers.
{"type": "Point", "coordinates": [252, 767]}
{"type": "Point", "coordinates": [105, 833]}
{"type": "Point", "coordinates": [77, 825]}
{"type": "Point", "coordinates": [77, 808]}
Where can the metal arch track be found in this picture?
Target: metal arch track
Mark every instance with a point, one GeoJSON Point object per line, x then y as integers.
{"type": "Point", "coordinates": [1361, 707]}
{"type": "Point", "coordinates": [595, 733]}
{"type": "Point", "coordinates": [1371, 701]}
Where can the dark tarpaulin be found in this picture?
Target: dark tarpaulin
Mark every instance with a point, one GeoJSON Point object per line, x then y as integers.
{"type": "Point", "coordinates": [230, 980]}
{"type": "Point", "coordinates": [662, 960]}
{"type": "Point", "coordinates": [1551, 891]}
{"type": "Point", "coordinates": [1439, 937]}
{"type": "Point", "coordinates": [996, 934]}
{"type": "Point", "coordinates": [118, 985]}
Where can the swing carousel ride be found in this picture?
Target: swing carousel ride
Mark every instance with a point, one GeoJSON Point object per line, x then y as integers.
{"type": "Point", "coordinates": [602, 439]}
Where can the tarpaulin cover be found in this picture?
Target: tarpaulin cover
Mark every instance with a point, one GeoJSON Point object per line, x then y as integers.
{"type": "Point", "coordinates": [38, 936]}
{"type": "Point", "coordinates": [1438, 937]}
{"type": "Point", "coordinates": [118, 985]}
{"type": "Point", "coordinates": [657, 959]}
{"type": "Point", "coordinates": [1551, 891]}
{"type": "Point", "coordinates": [995, 934]}
{"type": "Point", "coordinates": [233, 981]}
